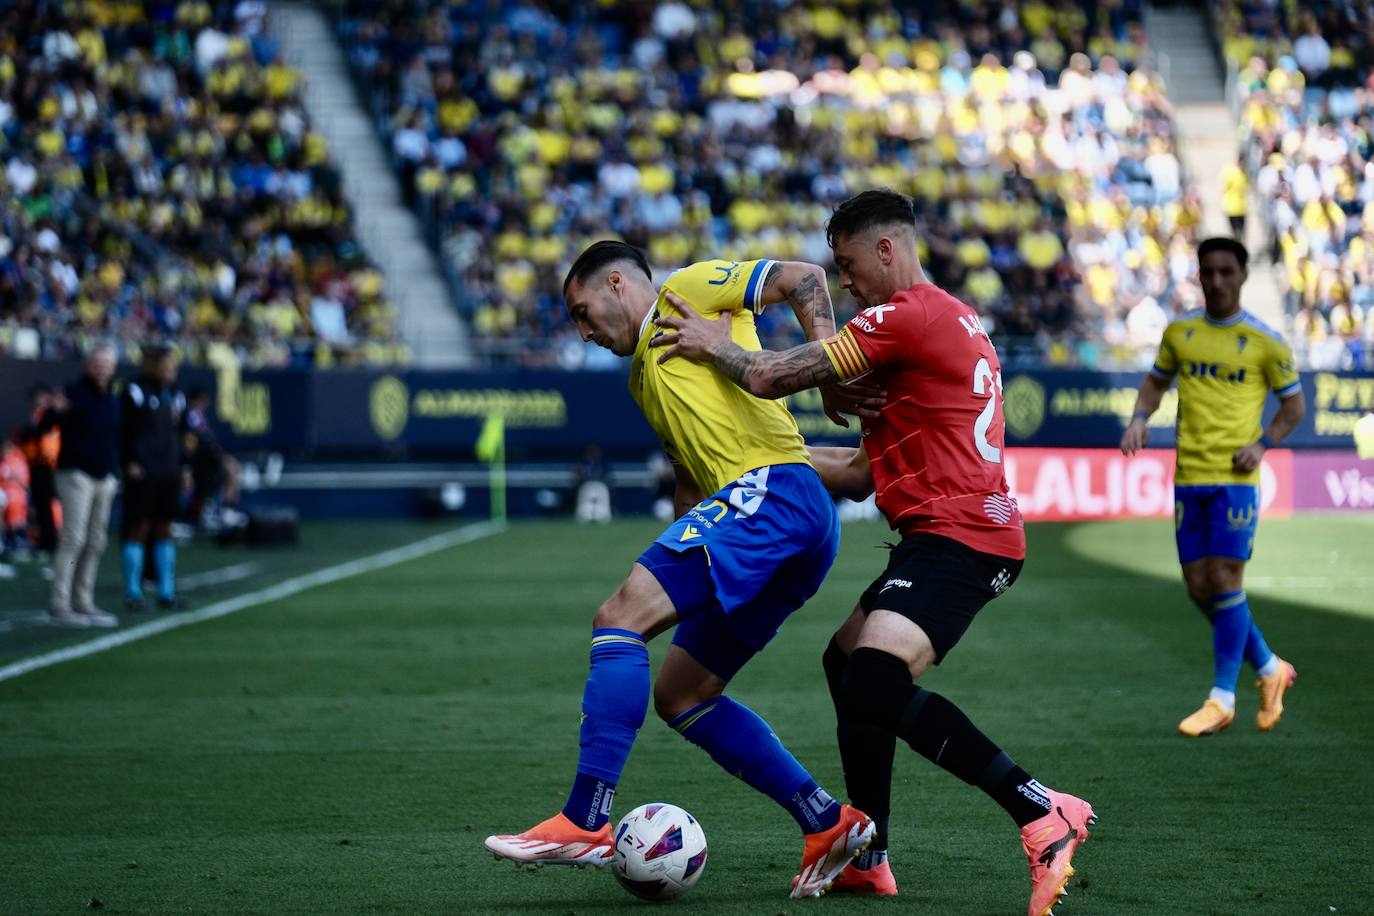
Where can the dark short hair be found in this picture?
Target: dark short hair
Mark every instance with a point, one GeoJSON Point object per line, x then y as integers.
{"type": "Point", "coordinates": [157, 351]}
{"type": "Point", "coordinates": [1223, 243]}
{"type": "Point", "coordinates": [867, 209]}
{"type": "Point", "coordinates": [600, 255]}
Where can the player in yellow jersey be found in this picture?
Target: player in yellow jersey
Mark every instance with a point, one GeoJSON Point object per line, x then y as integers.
{"type": "Point", "coordinates": [1227, 361]}
{"type": "Point", "coordinates": [756, 535]}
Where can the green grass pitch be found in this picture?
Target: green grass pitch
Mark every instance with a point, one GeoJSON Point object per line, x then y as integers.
{"type": "Point", "coordinates": [347, 749]}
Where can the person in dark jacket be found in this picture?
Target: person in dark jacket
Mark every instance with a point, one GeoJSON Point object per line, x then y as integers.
{"type": "Point", "coordinates": [152, 422]}
{"type": "Point", "coordinates": [87, 413]}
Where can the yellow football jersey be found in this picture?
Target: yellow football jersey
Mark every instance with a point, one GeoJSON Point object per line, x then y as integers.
{"type": "Point", "coordinates": [712, 427]}
{"type": "Point", "coordinates": [1225, 371]}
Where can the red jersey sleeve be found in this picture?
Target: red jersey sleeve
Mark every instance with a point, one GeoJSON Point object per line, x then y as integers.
{"type": "Point", "coordinates": [890, 333]}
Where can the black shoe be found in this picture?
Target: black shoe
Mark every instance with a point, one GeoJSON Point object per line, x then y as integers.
{"type": "Point", "coordinates": [135, 605]}
{"type": "Point", "coordinates": [174, 603]}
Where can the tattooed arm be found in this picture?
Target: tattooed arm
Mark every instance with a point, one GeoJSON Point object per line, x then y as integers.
{"type": "Point", "coordinates": [804, 287]}
{"type": "Point", "coordinates": [762, 373]}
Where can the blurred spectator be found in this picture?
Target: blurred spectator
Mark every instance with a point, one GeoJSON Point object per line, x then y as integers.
{"type": "Point", "coordinates": [87, 412]}
{"type": "Point", "coordinates": [161, 181]}
{"type": "Point", "coordinates": [214, 472]}
{"type": "Point", "coordinates": [14, 502]}
{"type": "Point", "coordinates": [1305, 88]}
{"type": "Point", "coordinates": [690, 132]}
{"type": "Point", "coordinates": [41, 449]}
{"type": "Point", "coordinates": [1235, 197]}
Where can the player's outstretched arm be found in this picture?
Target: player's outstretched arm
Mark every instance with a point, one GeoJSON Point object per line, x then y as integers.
{"type": "Point", "coordinates": [762, 373]}
{"type": "Point", "coordinates": [1146, 402]}
{"type": "Point", "coordinates": [844, 471]}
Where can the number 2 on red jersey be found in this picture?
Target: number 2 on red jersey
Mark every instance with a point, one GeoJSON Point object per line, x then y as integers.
{"type": "Point", "coordinates": [986, 382]}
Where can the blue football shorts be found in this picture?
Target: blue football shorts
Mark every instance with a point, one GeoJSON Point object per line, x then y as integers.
{"type": "Point", "coordinates": [742, 560]}
{"type": "Point", "coordinates": [1215, 520]}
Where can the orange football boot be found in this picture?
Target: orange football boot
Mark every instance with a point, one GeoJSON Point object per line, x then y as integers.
{"type": "Point", "coordinates": [1211, 718]}
{"type": "Point", "coordinates": [557, 841]}
{"type": "Point", "coordinates": [827, 852]}
{"type": "Point", "coordinates": [1049, 843]}
{"type": "Point", "coordinates": [1271, 695]}
{"type": "Point", "coordinates": [877, 881]}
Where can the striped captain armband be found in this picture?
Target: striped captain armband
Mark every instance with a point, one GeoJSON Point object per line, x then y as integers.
{"type": "Point", "coordinates": [845, 355]}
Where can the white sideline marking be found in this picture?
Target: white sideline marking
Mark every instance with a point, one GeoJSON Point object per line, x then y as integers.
{"type": "Point", "coordinates": [217, 576]}
{"type": "Point", "coordinates": [286, 589]}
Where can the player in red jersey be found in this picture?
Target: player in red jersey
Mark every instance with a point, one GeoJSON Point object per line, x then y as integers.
{"type": "Point", "coordinates": [934, 458]}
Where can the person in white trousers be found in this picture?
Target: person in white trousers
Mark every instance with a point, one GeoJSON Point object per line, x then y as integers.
{"type": "Point", "coordinates": [87, 412]}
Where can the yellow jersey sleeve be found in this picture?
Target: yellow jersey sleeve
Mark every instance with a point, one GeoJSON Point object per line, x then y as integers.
{"type": "Point", "coordinates": [1166, 363]}
{"type": "Point", "coordinates": [1279, 370]}
{"type": "Point", "coordinates": [844, 353]}
{"type": "Point", "coordinates": [717, 286]}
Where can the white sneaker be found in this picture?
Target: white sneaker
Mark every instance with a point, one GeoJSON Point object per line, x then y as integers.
{"type": "Point", "coordinates": [95, 617]}
{"type": "Point", "coordinates": [68, 619]}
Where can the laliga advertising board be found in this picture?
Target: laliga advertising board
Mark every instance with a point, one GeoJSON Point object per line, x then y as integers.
{"type": "Point", "coordinates": [1059, 484]}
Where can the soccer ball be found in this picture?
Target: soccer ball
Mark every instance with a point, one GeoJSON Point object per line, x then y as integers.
{"type": "Point", "coordinates": [660, 851]}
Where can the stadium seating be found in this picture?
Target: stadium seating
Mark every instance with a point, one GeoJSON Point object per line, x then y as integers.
{"type": "Point", "coordinates": [1305, 91]}
{"type": "Point", "coordinates": [161, 180]}
{"type": "Point", "coordinates": [1034, 137]}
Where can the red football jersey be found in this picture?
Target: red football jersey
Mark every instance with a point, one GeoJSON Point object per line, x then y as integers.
{"type": "Point", "coordinates": [937, 448]}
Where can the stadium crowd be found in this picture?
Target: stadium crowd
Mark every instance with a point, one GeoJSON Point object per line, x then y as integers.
{"type": "Point", "coordinates": [1034, 136]}
{"type": "Point", "coordinates": [1305, 88]}
{"type": "Point", "coordinates": [161, 181]}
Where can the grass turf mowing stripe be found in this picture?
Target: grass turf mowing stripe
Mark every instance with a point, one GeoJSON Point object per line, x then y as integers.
{"type": "Point", "coordinates": [285, 589]}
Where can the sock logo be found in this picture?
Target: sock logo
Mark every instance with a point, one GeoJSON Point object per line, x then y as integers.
{"type": "Point", "coordinates": [600, 806]}
{"type": "Point", "coordinates": [820, 800]}
{"type": "Point", "coordinates": [1035, 792]}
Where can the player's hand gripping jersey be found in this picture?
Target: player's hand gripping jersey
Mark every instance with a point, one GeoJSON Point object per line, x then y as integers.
{"type": "Point", "coordinates": [937, 450]}
{"type": "Point", "coordinates": [713, 428]}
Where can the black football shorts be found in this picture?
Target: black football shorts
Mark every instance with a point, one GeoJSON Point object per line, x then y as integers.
{"type": "Point", "coordinates": [156, 499]}
{"type": "Point", "coordinates": [939, 584]}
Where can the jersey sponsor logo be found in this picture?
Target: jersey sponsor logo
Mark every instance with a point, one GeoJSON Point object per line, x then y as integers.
{"type": "Point", "coordinates": [689, 533]}
{"type": "Point", "coordinates": [1219, 371]}
{"type": "Point", "coordinates": [862, 323]}
{"type": "Point", "coordinates": [895, 583]}
{"type": "Point", "coordinates": [703, 510]}
{"type": "Point", "coordinates": [876, 312]}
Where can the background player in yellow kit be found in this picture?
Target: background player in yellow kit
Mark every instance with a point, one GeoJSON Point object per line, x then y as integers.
{"type": "Point", "coordinates": [756, 535]}
{"type": "Point", "coordinates": [1227, 361]}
